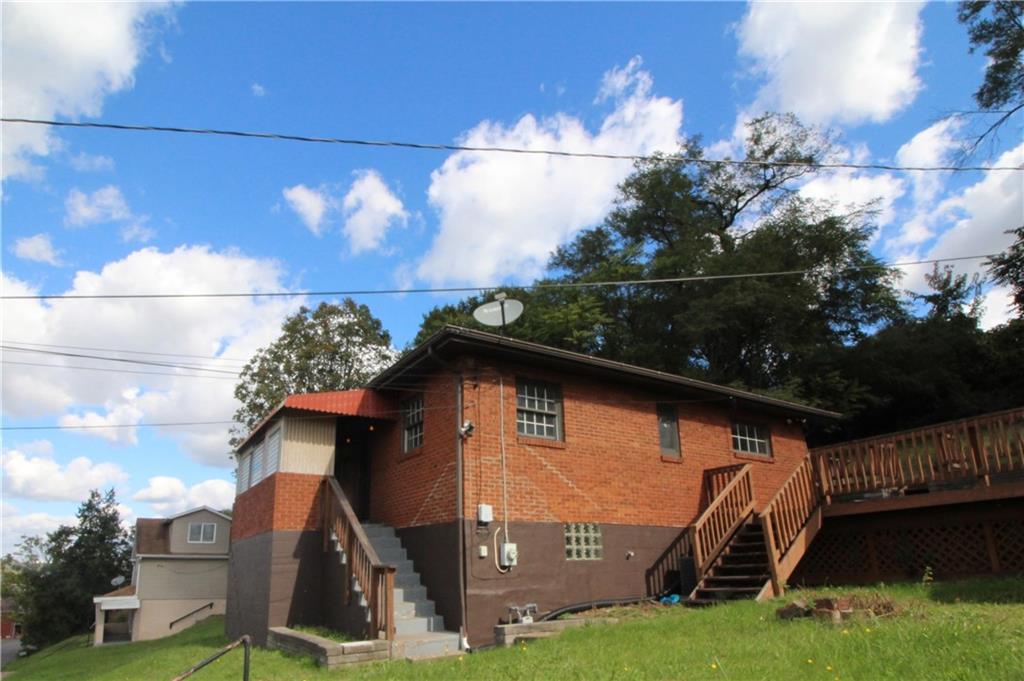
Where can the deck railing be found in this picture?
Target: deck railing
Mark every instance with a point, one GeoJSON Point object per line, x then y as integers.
{"type": "Point", "coordinates": [974, 448]}
{"type": "Point", "coordinates": [376, 579]}
{"type": "Point", "coordinates": [715, 480]}
{"type": "Point", "coordinates": [723, 516]}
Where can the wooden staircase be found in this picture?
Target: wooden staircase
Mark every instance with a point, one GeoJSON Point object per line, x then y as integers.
{"type": "Point", "coordinates": [740, 571]}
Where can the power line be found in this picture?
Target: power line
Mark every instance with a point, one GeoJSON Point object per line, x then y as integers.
{"type": "Point", "coordinates": [128, 352]}
{"type": "Point", "coordinates": [118, 359]}
{"type": "Point", "coordinates": [115, 371]}
{"type": "Point", "coordinates": [466, 289]}
{"type": "Point", "coordinates": [505, 150]}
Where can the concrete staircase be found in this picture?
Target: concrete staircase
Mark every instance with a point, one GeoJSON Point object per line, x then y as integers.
{"type": "Point", "coordinates": [741, 570]}
{"type": "Point", "coordinates": [419, 630]}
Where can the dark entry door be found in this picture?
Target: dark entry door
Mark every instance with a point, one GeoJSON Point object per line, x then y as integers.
{"type": "Point", "coordinates": [352, 465]}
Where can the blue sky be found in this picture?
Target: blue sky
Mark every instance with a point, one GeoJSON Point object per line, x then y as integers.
{"type": "Point", "coordinates": [102, 211]}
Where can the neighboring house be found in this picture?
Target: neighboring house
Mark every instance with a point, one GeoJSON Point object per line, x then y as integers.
{"type": "Point", "coordinates": [481, 472]}
{"type": "Point", "coordinates": [179, 577]}
{"type": "Point", "coordinates": [9, 626]}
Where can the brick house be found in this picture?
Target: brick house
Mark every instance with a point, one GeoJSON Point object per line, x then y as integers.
{"type": "Point", "coordinates": [593, 469]}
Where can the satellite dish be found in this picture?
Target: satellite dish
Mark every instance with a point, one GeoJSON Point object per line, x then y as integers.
{"type": "Point", "coordinates": [117, 581]}
{"type": "Point", "coordinates": [500, 312]}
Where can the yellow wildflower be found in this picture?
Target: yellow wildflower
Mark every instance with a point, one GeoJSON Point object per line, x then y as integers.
{"type": "Point", "coordinates": [810, 661]}
{"type": "Point", "coordinates": [846, 632]}
{"type": "Point", "coordinates": [714, 665]}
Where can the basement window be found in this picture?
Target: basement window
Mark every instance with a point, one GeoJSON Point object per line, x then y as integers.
{"type": "Point", "coordinates": [538, 410]}
{"type": "Point", "coordinates": [202, 533]}
{"type": "Point", "coordinates": [412, 416]}
{"type": "Point", "coordinates": [583, 541]}
{"type": "Point", "coordinates": [748, 438]}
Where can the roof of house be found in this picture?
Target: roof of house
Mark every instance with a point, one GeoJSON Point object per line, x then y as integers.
{"type": "Point", "coordinates": [452, 341]}
{"type": "Point", "coordinates": [152, 536]}
{"type": "Point", "coordinates": [128, 590]}
{"type": "Point", "coordinates": [359, 402]}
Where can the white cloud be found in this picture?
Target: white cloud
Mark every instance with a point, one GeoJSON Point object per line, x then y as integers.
{"type": "Point", "coordinates": [370, 208]}
{"type": "Point", "coordinates": [310, 205]}
{"type": "Point", "coordinates": [846, 62]}
{"type": "Point", "coordinates": [106, 204]}
{"type": "Point", "coordinates": [503, 214]}
{"type": "Point", "coordinates": [230, 328]}
{"type": "Point", "coordinates": [36, 248]}
{"type": "Point", "coordinates": [980, 215]}
{"type": "Point", "coordinates": [168, 495]}
{"type": "Point", "coordinates": [258, 90]}
{"type": "Point", "coordinates": [116, 424]}
{"type": "Point", "coordinates": [90, 163]}
{"type": "Point", "coordinates": [17, 526]}
{"type": "Point", "coordinates": [137, 232]}
{"type": "Point", "coordinates": [850, 190]}
{"type": "Point", "coordinates": [41, 478]}
{"type": "Point", "coordinates": [62, 60]}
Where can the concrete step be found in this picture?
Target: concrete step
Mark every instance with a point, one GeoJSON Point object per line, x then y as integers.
{"type": "Point", "coordinates": [426, 645]}
{"type": "Point", "coordinates": [419, 608]}
{"type": "Point", "coordinates": [383, 543]}
{"type": "Point", "coordinates": [417, 592]}
{"type": "Point", "coordinates": [392, 555]}
{"type": "Point", "coordinates": [407, 579]}
{"type": "Point", "coordinates": [374, 530]}
{"type": "Point", "coordinates": [419, 625]}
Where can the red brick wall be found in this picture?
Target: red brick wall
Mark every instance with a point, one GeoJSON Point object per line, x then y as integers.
{"type": "Point", "coordinates": [283, 501]}
{"type": "Point", "coordinates": [609, 468]}
{"type": "Point", "coordinates": [418, 488]}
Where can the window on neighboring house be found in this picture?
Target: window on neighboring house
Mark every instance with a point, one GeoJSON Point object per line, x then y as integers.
{"type": "Point", "coordinates": [202, 533]}
{"type": "Point", "coordinates": [748, 438]}
{"type": "Point", "coordinates": [538, 410]}
{"type": "Point", "coordinates": [668, 430]}
{"type": "Point", "coordinates": [583, 541]}
{"type": "Point", "coordinates": [243, 472]}
{"type": "Point", "coordinates": [412, 416]}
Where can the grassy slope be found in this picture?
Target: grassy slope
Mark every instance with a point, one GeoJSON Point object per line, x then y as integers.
{"type": "Point", "coordinates": [958, 630]}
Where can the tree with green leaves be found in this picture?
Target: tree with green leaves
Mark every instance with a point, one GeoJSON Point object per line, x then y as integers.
{"type": "Point", "coordinates": [997, 27]}
{"type": "Point", "coordinates": [1007, 268]}
{"type": "Point", "coordinates": [57, 577]}
{"type": "Point", "coordinates": [717, 223]}
{"type": "Point", "coordinates": [334, 347]}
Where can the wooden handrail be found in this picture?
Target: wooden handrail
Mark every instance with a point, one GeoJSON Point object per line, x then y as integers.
{"type": "Point", "coordinates": [723, 516]}
{"type": "Point", "coordinates": [375, 578]}
{"type": "Point", "coordinates": [786, 518]}
{"type": "Point", "coordinates": [965, 450]}
{"type": "Point", "coordinates": [715, 480]}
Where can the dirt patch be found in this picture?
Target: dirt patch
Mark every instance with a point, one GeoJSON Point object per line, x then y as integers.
{"type": "Point", "coordinates": [838, 609]}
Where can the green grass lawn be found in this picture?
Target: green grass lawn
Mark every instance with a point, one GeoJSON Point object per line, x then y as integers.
{"type": "Point", "coordinates": [955, 630]}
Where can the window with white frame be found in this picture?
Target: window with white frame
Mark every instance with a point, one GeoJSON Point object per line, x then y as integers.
{"type": "Point", "coordinates": [748, 438]}
{"type": "Point", "coordinates": [202, 533]}
{"type": "Point", "coordinates": [272, 460]}
{"type": "Point", "coordinates": [412, 418]}
{"type": "Point", "coordinates": [256, 465]}
{"type": "Point", "coordinates": [583, 541]}
{"type": "Point", "coordinates": [243, 472]}
{"type": "Point", "coordinates": [538, 409]}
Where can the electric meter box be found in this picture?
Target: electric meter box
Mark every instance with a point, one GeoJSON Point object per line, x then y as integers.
{"type": "Point", "coordinates": [484, 513]}
{"type": "Point", "coordinates": [509, 555]}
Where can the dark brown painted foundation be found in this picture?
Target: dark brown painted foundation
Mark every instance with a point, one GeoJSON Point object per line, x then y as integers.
{"type": "Point", "coordinates": [544, 576]}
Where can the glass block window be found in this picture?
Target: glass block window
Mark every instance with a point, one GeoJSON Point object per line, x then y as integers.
{"type": "Point", "coordinates": [202, 533]}
{"type": "Point", "coordinates": [538, 410]}
{"type": "Point", "coordinates": [750, 439]}
{"type": "Point", "coordinates": [412, 416]}
{"type": "Point", "coordinates": [668, 430]}
{"type": "Point", "coordinates": [583, 541]}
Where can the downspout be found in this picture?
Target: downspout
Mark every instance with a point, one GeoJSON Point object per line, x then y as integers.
{"type": "Point", "coordinates": [459, 520]}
